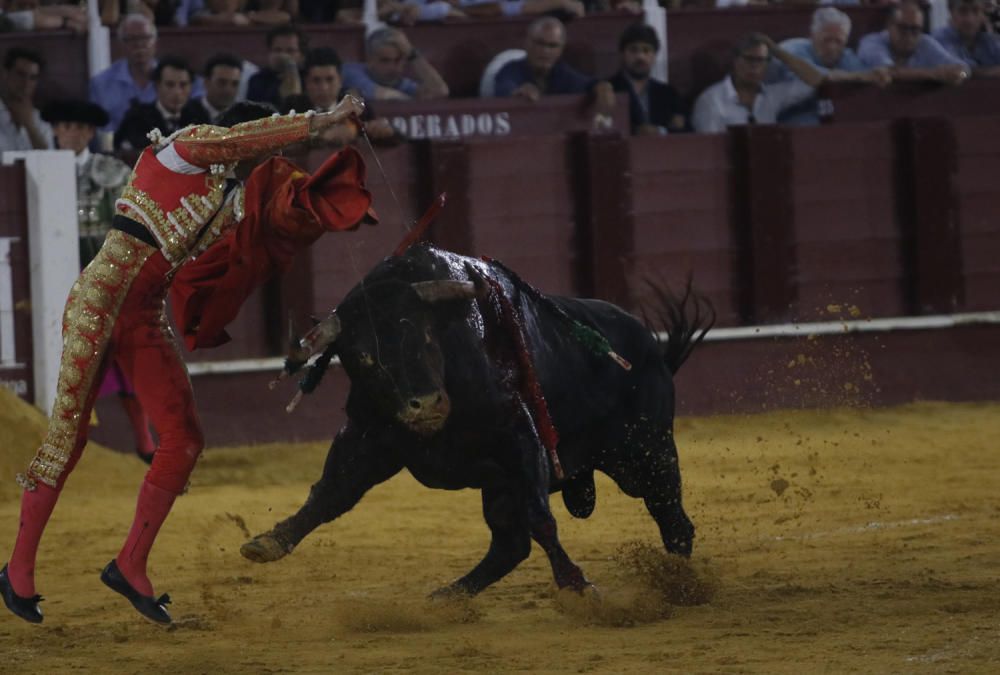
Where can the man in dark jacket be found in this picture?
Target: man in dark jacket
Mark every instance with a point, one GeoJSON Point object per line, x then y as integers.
{"type": "Point", "coordinates": [168, 113]}
{"type": "Point", "coordinates": [654, 107]}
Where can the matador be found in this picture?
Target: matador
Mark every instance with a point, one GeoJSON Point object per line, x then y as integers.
{"type": "Point", "coordinates": [186, 197]}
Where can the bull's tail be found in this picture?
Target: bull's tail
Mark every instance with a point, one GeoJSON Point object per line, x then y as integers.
{"type": "Point", "coordinates": [685, 320]}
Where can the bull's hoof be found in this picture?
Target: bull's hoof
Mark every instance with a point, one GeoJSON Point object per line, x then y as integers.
{"type": "Point", "coordinates": [266, 547]}
{"type": "Point", "coordinates": [451, 592]}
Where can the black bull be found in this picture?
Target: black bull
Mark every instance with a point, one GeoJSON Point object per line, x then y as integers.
{"type": "Point", "coordinates": [435, 390]}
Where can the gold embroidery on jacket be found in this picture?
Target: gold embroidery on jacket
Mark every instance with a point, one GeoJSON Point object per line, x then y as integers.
{"type": "Point", "coordinates": [175, 230]}
{"type": "Point", "coordinates": [205, 144]}
{"type": "Point", "coordinates": [89, 318]}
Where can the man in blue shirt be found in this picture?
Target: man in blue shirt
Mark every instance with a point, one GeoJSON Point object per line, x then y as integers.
{"type": "Point", "coordinates": [383, 76]}
{"type": "Point", "coordinates": [826, 49]}
{"type": "Point", "coordinates": [908, 52]}
{"type": "Point", "coordinates": [543, 72]}
{"type": "Point", "coordinates": [130, 79]}
{"type": "Point", "coordinates": [966, 38]}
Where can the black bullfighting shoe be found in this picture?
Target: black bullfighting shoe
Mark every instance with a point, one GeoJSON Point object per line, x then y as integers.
{"type": "Point", "coordinates": [26, 608]}
{"type": "Point", "coordinates": [152, 609]}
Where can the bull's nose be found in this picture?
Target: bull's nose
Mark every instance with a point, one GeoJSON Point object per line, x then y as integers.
{"type": "Point", "coordinates": [426, 414]}
{"type": "Point", "coordinates": [433, 404]}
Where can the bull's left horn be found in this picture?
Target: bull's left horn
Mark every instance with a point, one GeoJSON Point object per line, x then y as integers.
{"type": "Point", "coordinates": [444, 289]}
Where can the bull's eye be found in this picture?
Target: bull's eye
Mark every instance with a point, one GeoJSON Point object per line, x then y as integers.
{"type": "Point", "coordinates": [366, 359]}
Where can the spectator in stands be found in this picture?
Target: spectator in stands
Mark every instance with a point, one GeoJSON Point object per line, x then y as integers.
{"type": "Point", "coordinates": [826, 50]}
{"type": "Point", "coordinates": [321, 82]}
{"type": "Point", "coordinates": [129, 78]}
{"type": "Point", "coordinates": [967, 39]}
{"type": "Point", "coordinates": [743, 97]}
{"type": "Point", "coordinates": [323, 89]}
{"type": "Point", "coordinates": [21, 17]}
{"type": "Point", "coordinates": [172, 78]}
{"type": "Point", "coordinates": [542, 71]}
{"type": "Point", "coordinates": [286, 47]}
{"type": "Point", "coordinates": [383, 75]}
{"type": "Point", "coordinates": [245, 12]}
{"type": "Point", "coordinates": [654, 107]}
{"type": "Point", "coordinates": [908, 52]}
{"type": "Point", "coordinates": [409, 12]}
{"type": "Point", "coordinates": [21, 125]}
{"type": "Point", "coordinates": [330, 11]}
{"type": "Point", "coordinates": [222, 84]}
{"type": "Point", "coordinates": [565, 10]}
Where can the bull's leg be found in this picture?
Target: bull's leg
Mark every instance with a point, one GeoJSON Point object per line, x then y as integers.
{"type": "Point", "coordinates": [355, 463]}
{"type": "Point", "coordinates": [542, 524]}
{"type": "Point", "coordinates": [647, 467]}
{"type": "Point", "coordinates": [510, 545]}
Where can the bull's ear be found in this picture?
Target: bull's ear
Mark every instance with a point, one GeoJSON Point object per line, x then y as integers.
{"type": "Point", "coordinates": [442, 290]}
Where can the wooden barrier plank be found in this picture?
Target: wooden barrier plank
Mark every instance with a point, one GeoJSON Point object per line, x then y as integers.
{"type": "Point", "coordinates": [976, 188]}
{"type": "Point", "coordinates": [860, 103]}
{"type": "Point", "coordinates": [496, 117]}
{"type": "Point", "coordinates": [929, 213]}
{"type": "Point", "coordinates": [521, 209]}
{"type": "Point", "coordinates": [763, 217]}
{"type": "Point", "coordinates": [682, 219]}
{"type": "Point", "coordinates": [848, 248]}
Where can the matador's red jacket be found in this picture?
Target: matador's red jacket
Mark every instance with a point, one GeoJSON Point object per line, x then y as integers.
{"type": "Point", "coordinates": [286, 209]}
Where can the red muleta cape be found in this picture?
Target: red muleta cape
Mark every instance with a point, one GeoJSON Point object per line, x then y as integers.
{"type": "Point", "coordinates": [286, 210]}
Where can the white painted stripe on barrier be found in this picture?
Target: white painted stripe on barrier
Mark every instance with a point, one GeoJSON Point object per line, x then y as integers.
{"type": "Point", "coordinates": [716, 334]}
{"type": "Point", "coordinates": [851, 326]}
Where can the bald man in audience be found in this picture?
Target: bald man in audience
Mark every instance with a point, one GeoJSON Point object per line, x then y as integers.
{"type": "Point", "coordinates": [542, 72]}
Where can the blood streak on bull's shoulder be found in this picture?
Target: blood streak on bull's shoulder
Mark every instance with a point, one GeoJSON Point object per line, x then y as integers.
{"type": "Point", "coordinates": [422, 125]}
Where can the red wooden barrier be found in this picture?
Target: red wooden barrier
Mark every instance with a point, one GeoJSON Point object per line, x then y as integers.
{"type": "Point", "coordinates": [975, 188]}
{"type": "Point", "coordinates": [857, 103]}
{"type": "Point", "coordinates": [847, 238]}
{"type": "Point", "coordinates": [682, 201]}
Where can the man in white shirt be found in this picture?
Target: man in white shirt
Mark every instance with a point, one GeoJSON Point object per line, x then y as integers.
{"type": "Point", "coordinates": [21, 125]}
{"type": "Point", "coordinates": [743, 97]}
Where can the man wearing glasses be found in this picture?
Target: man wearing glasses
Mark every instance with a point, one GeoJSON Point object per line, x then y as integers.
{"type": "Point", "coordinates": [908, 52]}
{"type": "Point", "coordinates": [743, 97]}
{"type": "Point", "coordinates": [131, 78]}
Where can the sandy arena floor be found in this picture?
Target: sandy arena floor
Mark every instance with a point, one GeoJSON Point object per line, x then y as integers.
{"type": "Point", "coordinates": [836, 541]}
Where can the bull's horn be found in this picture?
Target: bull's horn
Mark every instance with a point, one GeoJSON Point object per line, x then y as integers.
{"type": "Point", "coordinates": [444, 289]}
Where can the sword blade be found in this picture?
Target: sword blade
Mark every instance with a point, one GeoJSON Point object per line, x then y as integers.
{"type": "Point", "coordinates": [407, 226]}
